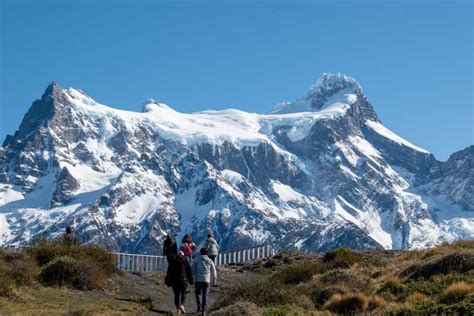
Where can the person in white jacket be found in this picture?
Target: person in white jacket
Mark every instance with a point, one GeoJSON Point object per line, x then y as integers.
{"type": "Point", "coordinates": [205, 275]}
{"type": "Point", "coordinates": [213, 247]}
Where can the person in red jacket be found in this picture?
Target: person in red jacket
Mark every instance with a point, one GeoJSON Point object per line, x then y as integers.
{"type": "Point", "coordinates": [187, 246]}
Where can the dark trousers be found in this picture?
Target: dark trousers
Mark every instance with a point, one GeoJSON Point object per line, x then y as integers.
{"type": "Point", "coordinates": [202, 291]}
{"type": "Point", "coordinates": [179, 295]}
{"type": "Point", "coordinates": [213, 258]}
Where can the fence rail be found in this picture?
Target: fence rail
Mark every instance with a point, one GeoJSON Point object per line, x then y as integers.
{"type": "Point", "coordinates": [148, 263]}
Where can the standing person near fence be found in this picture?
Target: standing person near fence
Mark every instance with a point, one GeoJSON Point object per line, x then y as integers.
{"type": "Point", "coordinates": [170, 248]}
{"type": "Point", "coordinates": [69, 237]}
{"type": "Point", "coordinates": [178, 276]}
{"type": "Point", "coordinates": [187, 247]}
{"type": "Point", "coordinates": [205, 275]}
{"type": "Point", "coordinates": [213, 247]}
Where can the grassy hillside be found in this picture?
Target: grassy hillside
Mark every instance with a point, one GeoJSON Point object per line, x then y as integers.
{"type": "Point", "coordinates": [433, 281]}
{"type": "Point", "coordinates": [57, 279]}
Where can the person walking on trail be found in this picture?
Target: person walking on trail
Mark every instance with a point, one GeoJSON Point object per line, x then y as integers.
{"type": "Point", "coordinates": [213, 247]}
{"type": "Point", "coordinates": [205, 275]}
{"type": "Point", "coordinates": [178, 276]}
{"type": "Point", "coordinates": [187, 247]}
{"type": "Point", "coordinates": [170, 248]}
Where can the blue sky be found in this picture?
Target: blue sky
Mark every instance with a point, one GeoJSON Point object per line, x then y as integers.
{"type": "Point", "coordinates": [413, 59]}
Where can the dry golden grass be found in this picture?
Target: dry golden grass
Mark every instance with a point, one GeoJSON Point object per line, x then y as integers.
{"type": "Point", "coordinates": [456, 292]}
{"type": "Point", "coordinates": [376, 303]}
{"type": "Point", "coordinates": [347, 303]}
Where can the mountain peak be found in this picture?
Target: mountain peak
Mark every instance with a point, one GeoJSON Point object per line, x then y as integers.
{"type": "Point", "coordinates": [329, 88]}
{"type": "Point", "coordinates": [51, 89]}
{"type": "Point", "coordinates": [334, 81]}
{"type": "Point", "coordinates": [151, 104]}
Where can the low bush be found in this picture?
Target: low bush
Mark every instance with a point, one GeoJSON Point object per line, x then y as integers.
{"type": "Point", "coordinates": [298, 273]}
{"type": "Point", "coordinates": [345, 277]}
{"type": "Point", "coordinates": [82, 275]}
{"type": "Point", "coordinates": [340, 258]}
{"type": "Point", "coordinates": [393, 287]}
{"type": "Point", "coordinates": [456, 292]}
{"type": "Point", "coordinates": [262, 292]}
{"type": "Point", "coordinates": [456, 262]}
{"type": "Point", "coordinates": [347, 303]}
{"type": "Point", "coordinates": [7, 285]}
{"type": "Point", "coordinates": [20, 268]}
{"type": "Point", "coordinates": [237, 309]}
{"type": "Point", "coordinates": [45, 251]}
{"type": "Point", "coordinates": [101, 257]}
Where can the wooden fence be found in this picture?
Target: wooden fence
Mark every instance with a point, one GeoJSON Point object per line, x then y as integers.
{"type": "Point", "coordinates": [148, 263]}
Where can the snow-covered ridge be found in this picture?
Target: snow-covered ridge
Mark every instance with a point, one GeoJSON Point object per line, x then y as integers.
{"type": "Point", "coordinates": [385, 132]}
{"type": "Point", "coordinates": [213, 127]}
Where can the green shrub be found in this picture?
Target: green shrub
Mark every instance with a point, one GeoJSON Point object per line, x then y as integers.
{"type": "Point", "coordinates": [82, 275]}
{"type": "Point", "coordinates": [298, 273]}
{"type": "Point", "coordinates": [340, 258]}
{"type": "Point", "coordinates": [45, 251]}
{"type": "Point", "coordinates": [20, 268]}
{"type": "Point", "coordinates": [393, 287]}
{"type": "Point", "coordinates": [262, 292]}
{"type": "Point", "coordinates": [347, 303]}
{"type": "Point", "coordinates": [345, 277]}
{"type": "Point", "coordinates": [434, 285]}
{"type": "Point", "coordinates": [7, 285]}
{"type": "Point", "coordinates": [456, 262]}
{"type": "Point", "coordinates": [101, 257]}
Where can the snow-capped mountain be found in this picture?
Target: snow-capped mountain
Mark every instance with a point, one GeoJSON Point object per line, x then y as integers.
{"type": "Point", "coordinates": [316, 173]}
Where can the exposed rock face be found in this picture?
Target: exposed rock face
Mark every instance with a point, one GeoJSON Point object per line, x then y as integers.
{"type": "Point", "coordinates": [319, 173]}
{"type": "Point", "coordinates": [66, 184]}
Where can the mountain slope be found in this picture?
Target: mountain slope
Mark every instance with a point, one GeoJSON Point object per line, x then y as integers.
{"type": "Point", "coordinates": [329, 176]}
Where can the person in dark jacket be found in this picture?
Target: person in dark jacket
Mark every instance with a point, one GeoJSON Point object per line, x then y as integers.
{"type": "Point", "coordinates": [178, 276]}
{"type": "Point", "coordinates": [170, 248]}
{"type": "Point", "coordinates": [69, 237]}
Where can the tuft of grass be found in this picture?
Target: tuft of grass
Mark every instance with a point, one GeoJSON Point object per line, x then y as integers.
{"type": "Point", "coordinates": [392, 287]}
{"type": "Point", "coordinates": [376, 303]}
{"type": "Point", "coordinates": [456, 292]}
{"type": "Point", "coordinates": [347, 303]}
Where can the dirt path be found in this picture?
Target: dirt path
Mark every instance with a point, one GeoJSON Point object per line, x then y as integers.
{"type": "Point", "coordinates": [135, 286]}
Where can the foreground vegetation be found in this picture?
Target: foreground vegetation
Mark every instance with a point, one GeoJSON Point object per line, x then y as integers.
{"type": "Point", "coordinates": [53, 278]}
{"type": "Point", "coordinates": [433, 281]}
